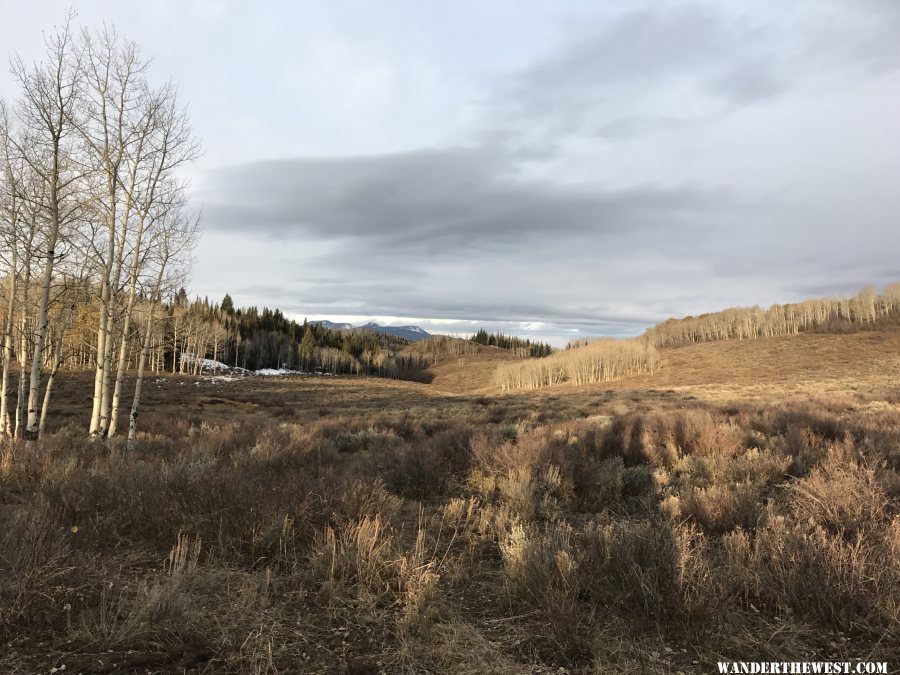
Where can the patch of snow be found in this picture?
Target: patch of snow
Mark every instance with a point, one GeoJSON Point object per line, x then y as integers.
{"type": "Point", "coordinates": [209, 364]}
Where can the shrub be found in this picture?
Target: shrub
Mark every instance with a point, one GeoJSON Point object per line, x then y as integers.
{"type": "Point", "coordinates": [428, 467]}
{"type": "Point", "coordinates": [629, 565]}
{"type": "Point", "coordinates": [637, 481]}
{"type": "Point", "coordinates": [841, 496]}
{"type": "Point", "coordinates": [36, 570]}
{"type": "Point", "coordinates": [542, 567]}
{"type": "Point", "coordinates": [531, 495]}
{"type": "Point", "coordinates": [721, 508]}
{"type": "Point", "coordinates": [355, 564]}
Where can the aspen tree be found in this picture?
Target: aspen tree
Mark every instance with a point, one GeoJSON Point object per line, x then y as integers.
{"type": "Point", "coordinates": [167, 146]}
{"type": "Point", "coordinates": [9, 220]}
{"type": "Point", "coordinates": [176, 235]}
{"type": "Point", "coordinates": [50, 93]}
{"type": "Point", "coordinates": [112, 124]}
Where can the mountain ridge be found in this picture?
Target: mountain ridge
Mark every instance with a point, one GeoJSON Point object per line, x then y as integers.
{"type": "Point", "coordinates": [409, 332]}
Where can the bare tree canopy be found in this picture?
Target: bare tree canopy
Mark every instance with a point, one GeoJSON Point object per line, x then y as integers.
{"type": "Point", "coordinates": [95, 220]}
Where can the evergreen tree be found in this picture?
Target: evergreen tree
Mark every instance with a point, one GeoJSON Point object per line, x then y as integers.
{"type": "Point", "coordinates": [227, 305]}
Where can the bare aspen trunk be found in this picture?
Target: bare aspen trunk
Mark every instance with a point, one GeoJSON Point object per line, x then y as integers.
{"type": "Point", "coordinates": [185, 349]}
{"type": "Point", "coordinates": [101, 350]}
{"type": "Point", "coordinates": [111, 276]}
{"type": "Point", "coordinates": [106, 394]}
{"type": "Point", "coordinates": [32, 429]}
{"type": "Point", "coordinates": [23, 344]}
{"type": "Point", "coordinates": [126, 326]}
{"type": "Point", "coordinates": [174, 344]}
{"type": "Point", "coordinates": [138, 382]}
{"type": "Point", "coordinates": [106, 358]}
{"type": "Point", "coordinates": [139, 376]}
{"type": "Point", "coordinates": [54, 367]}
{"type": "Point", "coordinates": [109, 158]}
{"type": "Point", "coordinates": [120, 370]}
{"type": "Point", "coordinates": [5, 425]}
{"type": "Point", "coordinates": [20, 392]}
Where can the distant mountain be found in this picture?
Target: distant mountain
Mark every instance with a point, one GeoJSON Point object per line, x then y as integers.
{"type": "Point", "coordinates": [411, 333]}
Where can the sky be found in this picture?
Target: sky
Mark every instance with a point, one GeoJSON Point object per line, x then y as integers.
{"type": "Point", "coordinates": [552, 169]}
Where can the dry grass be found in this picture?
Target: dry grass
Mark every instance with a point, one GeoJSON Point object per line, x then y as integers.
{"type": "Point", "coordinates": [365, 526]}
{"type": "Point", "coordinates": [794, 366]}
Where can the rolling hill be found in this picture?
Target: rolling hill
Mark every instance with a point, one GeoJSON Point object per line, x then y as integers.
{"type": "Point", "coordinates": [802, 364]}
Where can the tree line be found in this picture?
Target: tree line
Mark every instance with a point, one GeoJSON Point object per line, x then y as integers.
{"type": "Point", "coordinates": [587, 361]}
{"type": "Point", "coordinates": [865, 309]}
{"type": "Point", "coordinates": [255, 339]}
{"type": "Point", "coordinates": [96, 234]}
{"type": "Point", "coordinates": [600, 360]}
{"type": "Point", "coordinates": [523, 348]}
{"type": "Point", "coordinates": [94, 221]}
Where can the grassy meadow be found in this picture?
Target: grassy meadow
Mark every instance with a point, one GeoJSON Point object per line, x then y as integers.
{"type": "Point", "coordinates": [741, 503]}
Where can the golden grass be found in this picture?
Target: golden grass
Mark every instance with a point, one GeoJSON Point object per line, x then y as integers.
{"type": "Point", "coordinates": [742, 503]}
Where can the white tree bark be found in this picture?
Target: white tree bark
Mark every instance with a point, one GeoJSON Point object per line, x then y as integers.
{"type": "Point", "coordinates": [5, 427]}
{"type": "Point", "coordinates": [32, 428]}
{"type": "Point", "coordinates": [51, 378]}
{"type": "Point", "coordinates": [46, 110]}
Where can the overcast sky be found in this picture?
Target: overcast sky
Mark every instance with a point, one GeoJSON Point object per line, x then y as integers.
{"type": "Point", "coordinates": [546, 168]}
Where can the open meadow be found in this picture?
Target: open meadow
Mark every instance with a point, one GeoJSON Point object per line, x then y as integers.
{"type": "Point", "coordinates": [380, 338]}
{"type": "Point", "coordinates": [740, 503]}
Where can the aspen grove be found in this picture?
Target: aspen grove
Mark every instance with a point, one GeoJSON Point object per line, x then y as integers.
{"type": "Point", "coordinates": [94, 224]}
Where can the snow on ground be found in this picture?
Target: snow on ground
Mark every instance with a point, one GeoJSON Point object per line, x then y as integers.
{"type": "Point", "coordinates": [274, 372]}
{"type": "Point", "coordinates": [216, 372]}
{"type": "Point", "coordinates": [207, 364]}
{"type": "Point", "coordinates": [277, 372]}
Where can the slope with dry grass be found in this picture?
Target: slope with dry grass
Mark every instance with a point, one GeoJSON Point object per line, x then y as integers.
{"type": "Point", "coordinates": [742, 503]}
{"type": "Point", "coordinates": [794, 366]}
{"type": "Point", "coordinates": [471, 372]}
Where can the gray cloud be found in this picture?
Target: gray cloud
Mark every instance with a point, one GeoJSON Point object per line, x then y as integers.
{"type": "Point", "coordinates": [583, 166]}
{"type": "Point", "coordinates": [440, 202]}
{"type": "Point", "coordinates": [617, 78]}
{"type": "Point", "coordinates": [747, 167]}
{"type": "Point", "coordinates": [748, 83]}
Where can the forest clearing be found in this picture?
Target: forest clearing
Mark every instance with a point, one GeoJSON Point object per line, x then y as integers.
{"type": "Point", "coordinates": [349, 524]}
{"type": "Point", "coordinates": [421, 338]}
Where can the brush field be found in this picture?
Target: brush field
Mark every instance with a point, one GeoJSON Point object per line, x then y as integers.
{"type": "Point", "coordinates": [742, 503]}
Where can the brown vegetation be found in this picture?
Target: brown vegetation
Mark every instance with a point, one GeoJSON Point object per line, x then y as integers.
{"type": "Point", "coordinates": [359, 525]}
{"type": "Point", "coordinates": [596, 361]}
{"type": "Point", "coordinates": [592, 361]}
{"type": "Point", "coordinates": [842, 314]}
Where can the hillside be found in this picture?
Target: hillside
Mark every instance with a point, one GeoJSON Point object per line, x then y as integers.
{"type": "Point", "coordinates": [470, 373]}
{"type": "Point", "coordinates": [804, 364]}
{"type": "Point", "coordinates": [790, 360]}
